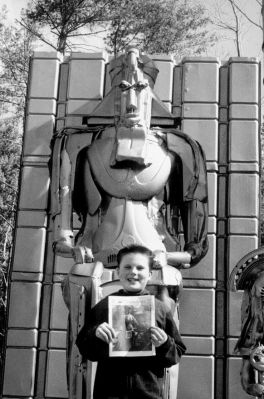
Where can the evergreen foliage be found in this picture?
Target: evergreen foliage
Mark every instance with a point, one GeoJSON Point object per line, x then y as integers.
{"type": "Point", "coordinates": [16, 46]}
{"type": "Point", "coordinates": [168, 26]}
{"type": "Point", "coordinates": [64, 20]}
{"type": "Point", "coordinates": [10, 148]}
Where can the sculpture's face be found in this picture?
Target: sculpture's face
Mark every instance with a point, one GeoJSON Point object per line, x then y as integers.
{"type": "Point", "coordinates": [135, 106]}
{"type": "Point", "coordinates": [133, 97]}
{"type": "Point", "coordinates": [135, 101]}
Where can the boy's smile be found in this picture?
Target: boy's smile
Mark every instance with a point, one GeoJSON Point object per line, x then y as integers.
{"type": "Point", "coordinates": [134, 272]}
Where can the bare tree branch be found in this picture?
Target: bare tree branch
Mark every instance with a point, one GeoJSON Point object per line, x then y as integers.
{"type": "Point", "coordinates": [5, 251]}
{"type": "Point", "coordinates": [37, 34]}
{"type": "Point", "coordinates": [246, 15]}
{"type": "Point", "coordinates": [6, 221]}
{"type": "Point", "coordinates": [225, 26]}
{"type": "Point", "coordinates": [87, 33]}
{"type": "Point", "coordinates": [8, 185]}
{"type": "Point", "coordinates": [237, 41]}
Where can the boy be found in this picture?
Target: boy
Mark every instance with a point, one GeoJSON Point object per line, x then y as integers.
{"type": "Point", "coordinates": [133, 377]}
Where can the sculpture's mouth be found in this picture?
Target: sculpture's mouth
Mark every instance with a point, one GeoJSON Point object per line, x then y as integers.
{"type": "Point", "coordinates": [131, 118]}
{"type": "Point", "coordinates": [131, 143]}
{"type": "Point", "coordinates": [134, 164]}
{"type": "Point", "coordinates": [132, 114]}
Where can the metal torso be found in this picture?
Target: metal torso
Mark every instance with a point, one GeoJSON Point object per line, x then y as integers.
{"type": "Point", "coordinates": [129, 188]}
{"type": "Point", "coordinates": [131, 182]}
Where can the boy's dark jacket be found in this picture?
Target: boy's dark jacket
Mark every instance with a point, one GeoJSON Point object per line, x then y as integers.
{"type": "Point", "coordinates": [133, 377]}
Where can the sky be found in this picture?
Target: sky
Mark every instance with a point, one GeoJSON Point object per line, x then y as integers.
{"type": "Point", "coordinates": [14, 6]}
{"type": "Point", "coordinates": [251, 36]}
{"type": "Point", "coordinates": [224, 48]}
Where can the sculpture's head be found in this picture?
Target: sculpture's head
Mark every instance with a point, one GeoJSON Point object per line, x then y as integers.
{"type": "Point", "coordinates": [133, 75]}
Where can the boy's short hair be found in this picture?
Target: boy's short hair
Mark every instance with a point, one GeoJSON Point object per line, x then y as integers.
{"type": "Point", "coordinates": [136, 248]}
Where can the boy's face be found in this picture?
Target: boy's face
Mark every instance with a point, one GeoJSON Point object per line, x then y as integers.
{"type": "Point", "coordinates": [134, 272]}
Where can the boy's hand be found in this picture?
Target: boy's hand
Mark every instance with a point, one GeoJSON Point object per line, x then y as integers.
{"type": "Point", "coordinates": [105, 332]}
{"type": "Point", "coordinates": [158, 336]}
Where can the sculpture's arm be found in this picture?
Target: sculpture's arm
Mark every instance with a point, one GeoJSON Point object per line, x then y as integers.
{"type": "Point", "coordinates": [86, 202]}
{"type": "Point", "coordinates": [187, 191]}
{"type": "Point", "coordinates": [84, 198]}
{"type": "Point", "coordinates": [194, 209]}
{"type": "Point", "coordinates": [63, 233]}
{"type": "Point", "coordinates": [194, 215]}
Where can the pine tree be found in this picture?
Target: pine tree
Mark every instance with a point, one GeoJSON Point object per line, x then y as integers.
{"type": "Point", "coordinates": [168, 26]}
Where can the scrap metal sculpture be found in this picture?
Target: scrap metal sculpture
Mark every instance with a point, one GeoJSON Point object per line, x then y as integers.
{"type": "Point", "coordinates": [130, 180]}
{"type": "Point", "coordinates": [248, 275]}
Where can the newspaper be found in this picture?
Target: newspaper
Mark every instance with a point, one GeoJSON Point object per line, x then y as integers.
{"type": "Point", "coordinates": [131, 317]}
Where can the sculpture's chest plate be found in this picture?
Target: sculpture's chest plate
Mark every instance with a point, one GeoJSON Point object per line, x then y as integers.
{"type": "Point", "coordinates": [132, 181]}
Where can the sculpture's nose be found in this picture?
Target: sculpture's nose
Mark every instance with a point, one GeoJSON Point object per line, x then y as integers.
{"type": "Point", "coordinates": [131, 101]}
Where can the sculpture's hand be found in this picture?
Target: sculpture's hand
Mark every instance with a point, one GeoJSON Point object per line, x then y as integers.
{"type": "Point", "coordinates": [179, 259]}
{"type": "Point", "coordinates": [82, 254]}
{"type": "Point", "coordinates": [63, 247]}
{"type": "Point", "coordinates": [159, 260]}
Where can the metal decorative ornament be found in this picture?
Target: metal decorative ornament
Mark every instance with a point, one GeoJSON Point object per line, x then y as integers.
{"type": "Point", "coordinates": [248, 275]}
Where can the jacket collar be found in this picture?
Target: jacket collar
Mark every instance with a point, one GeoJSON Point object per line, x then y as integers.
{"type": "Point", "coordinates": [125, 293]}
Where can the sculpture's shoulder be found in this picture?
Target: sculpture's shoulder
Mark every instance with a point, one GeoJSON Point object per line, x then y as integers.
{"type": "Point", "coordinates": [193, 163]}
{"type": "Point", "coordinates": [177, 139]}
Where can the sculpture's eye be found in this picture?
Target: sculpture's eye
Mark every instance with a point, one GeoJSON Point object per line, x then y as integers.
{"type": "Point", "coordinates": [256, 358]}
{"type": "Point", "coordinates": [140, 85]}
{"type": "Point", "coordinates": [124, 85]}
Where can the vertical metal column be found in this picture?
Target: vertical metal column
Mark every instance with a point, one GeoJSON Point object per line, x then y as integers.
{"type": "Point", "coordinates": [221, 246]}
{"type": "Point", "coordinates": [47, 286]}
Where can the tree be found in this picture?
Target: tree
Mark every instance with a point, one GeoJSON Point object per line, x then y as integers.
{"type": "Point", "coordinates": [245, 15]}
{"type": "Point", "coordinates": [154, 25]}
{"type": "Point", "coordinates": [16, 46]}
{"type": "Point", "coordinates": [10, 149]}
{"type": "Point", "coordinates": [65, 20]}
{"type": "Point", "coordinates": [169, 26]}
{"type": "Point", "coordinates": [230, 17]}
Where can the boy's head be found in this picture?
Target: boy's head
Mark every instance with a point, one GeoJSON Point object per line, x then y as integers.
{"type": "Point", "coordinates": [134, 267]}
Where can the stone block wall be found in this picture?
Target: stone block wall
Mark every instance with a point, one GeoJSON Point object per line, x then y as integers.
{"type": "Point", "coordinates": [218, 104]}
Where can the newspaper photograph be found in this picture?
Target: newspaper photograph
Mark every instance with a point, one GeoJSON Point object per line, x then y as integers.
{"type": "Point", "coordinates": [131, 317]}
